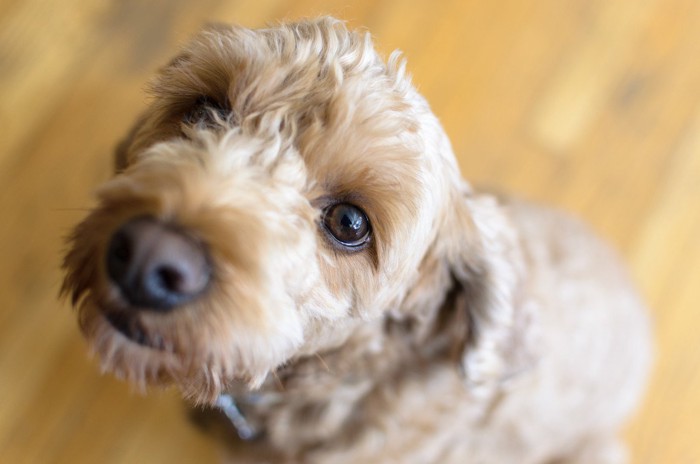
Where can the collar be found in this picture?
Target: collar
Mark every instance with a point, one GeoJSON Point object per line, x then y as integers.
{"type": "Point", "coordinates": [228, 406]}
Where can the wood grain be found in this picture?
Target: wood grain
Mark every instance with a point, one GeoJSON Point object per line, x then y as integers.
{"type": "Point", "coordinates": [588, 105]}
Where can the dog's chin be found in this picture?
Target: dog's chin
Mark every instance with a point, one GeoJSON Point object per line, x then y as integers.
{"type": "Point", "coordinates": [144, 358]}
{"type": "Point", "coordinates": [127, 349]}
{"type": "Point", "coordinates": [131, 328]}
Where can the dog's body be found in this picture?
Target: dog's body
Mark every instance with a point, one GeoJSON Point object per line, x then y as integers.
{"type": "Point", "coordinates": [289, 229]}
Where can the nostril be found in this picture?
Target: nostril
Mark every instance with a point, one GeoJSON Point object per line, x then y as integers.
{"type": "Point", "coordinates": [167, 285]}
{"type": "Point", "coordinates": [119, 256]}
{"type": "Point", "coordinates": [122, 248]}
{"type": "Point", "coordinates": [170, 278]}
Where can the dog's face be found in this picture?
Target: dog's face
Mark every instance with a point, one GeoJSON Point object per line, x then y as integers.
{"type": "Point", "coordinates": [284, 186]}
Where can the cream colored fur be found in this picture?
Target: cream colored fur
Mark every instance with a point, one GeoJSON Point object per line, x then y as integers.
{"type": "Point", "coordinates": [472, 329]}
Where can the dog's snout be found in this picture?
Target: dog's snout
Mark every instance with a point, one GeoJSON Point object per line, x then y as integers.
{"type": "Point", "coordinates": [155, 265]}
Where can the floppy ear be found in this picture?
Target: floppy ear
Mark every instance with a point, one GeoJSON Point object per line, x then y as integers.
{"type": "Point", "coordinates": [490, 312]}
{"type": "Point", "coordinates": [135, 138]}
{"type": "Point", "coordinates": [121, 152]}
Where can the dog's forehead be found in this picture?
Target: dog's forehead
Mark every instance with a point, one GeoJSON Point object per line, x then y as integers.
{"type": "Point", "coordinates": [296, 69]}
{"type": "Point", "coordinates": [352, 117]}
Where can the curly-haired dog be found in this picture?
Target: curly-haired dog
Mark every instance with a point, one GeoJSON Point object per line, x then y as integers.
{"type": "Point", "coordinates": [288, 238]}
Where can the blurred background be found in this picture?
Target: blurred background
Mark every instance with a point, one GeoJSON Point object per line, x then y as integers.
{"type": "Point", "coordinates": [588, 105]}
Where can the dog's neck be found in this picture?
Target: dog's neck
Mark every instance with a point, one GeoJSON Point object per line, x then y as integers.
{"type": "Point", "coordinates": [317, 397]}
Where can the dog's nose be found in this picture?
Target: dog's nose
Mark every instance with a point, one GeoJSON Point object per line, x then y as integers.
{"type": "Point", "coordinates": [155, 265]}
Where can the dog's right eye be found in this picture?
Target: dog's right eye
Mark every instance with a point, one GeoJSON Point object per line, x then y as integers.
{"type": "Point", "coordinates": [205, 110]}
{"type": "Point", "coordinates": [347, 224]}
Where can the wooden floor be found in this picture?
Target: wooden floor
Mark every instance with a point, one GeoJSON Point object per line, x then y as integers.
{"type": "Point", "coordinates": [590, 105]}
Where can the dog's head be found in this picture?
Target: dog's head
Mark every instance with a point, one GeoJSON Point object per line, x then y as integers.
{"type": "Point", "coordinates": [284, 186]}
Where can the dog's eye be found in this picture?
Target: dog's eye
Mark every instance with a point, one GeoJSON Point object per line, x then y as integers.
{"type": "Point", "coordinates": [348, 224]}
{"type": "Point", "coordinates": [204, 110]}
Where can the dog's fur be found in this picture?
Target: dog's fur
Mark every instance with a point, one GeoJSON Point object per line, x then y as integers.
{"type": "Point", "coordinates": [472, 328]}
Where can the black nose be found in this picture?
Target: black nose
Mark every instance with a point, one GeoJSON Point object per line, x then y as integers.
{"type": "Point", "coordinates": [155, 265]}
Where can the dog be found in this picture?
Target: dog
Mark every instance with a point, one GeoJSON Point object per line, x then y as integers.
{"type": "Point", "coordinates": [288, 240]}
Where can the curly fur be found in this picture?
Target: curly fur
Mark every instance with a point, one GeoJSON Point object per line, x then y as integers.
{"type": "Point", "coordinates": [473, 328]}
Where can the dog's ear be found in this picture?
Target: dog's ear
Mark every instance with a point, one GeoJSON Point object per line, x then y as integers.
{"type": "Point", "coordinates": [145, 132]}
{"type": "Point", "coordinates": [484, 320]}
{"type": "Point", "coordinates": [121, 153]}
{"type": "Point", "coordinates": [125, 146]}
